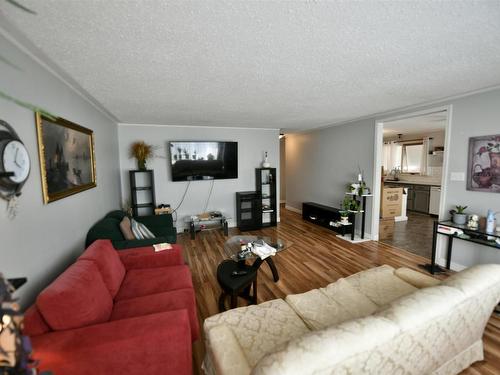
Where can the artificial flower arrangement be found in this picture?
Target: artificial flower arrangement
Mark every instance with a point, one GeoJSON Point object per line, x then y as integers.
{"type": "Point", "coordinates": [142, 152]}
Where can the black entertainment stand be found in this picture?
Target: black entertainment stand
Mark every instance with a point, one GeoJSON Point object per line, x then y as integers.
{"type": "Point", "coordinates": [328, 217]}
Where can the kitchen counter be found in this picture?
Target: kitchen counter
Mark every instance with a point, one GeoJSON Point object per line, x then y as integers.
{"type": "Point", "coordinates": [401, 182]}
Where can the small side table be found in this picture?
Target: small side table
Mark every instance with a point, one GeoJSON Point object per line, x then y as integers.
{"type": "Point", "coordinates": [236, 286]}
{"type": "Point", "coordinates": [197, 225]}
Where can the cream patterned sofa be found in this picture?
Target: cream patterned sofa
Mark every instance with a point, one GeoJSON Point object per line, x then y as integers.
{"type": "Point", "coordinates": [379, 321]}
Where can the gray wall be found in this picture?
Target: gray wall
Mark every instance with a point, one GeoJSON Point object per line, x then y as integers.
{"type": "Point", "coordinates": [320, 164]}
{"type": "Point", "coordinates": [471, 117]}
{"type": "Point", "coordinates": [252, 143]}
{"type": "Point", "coordinates": [43, 239]}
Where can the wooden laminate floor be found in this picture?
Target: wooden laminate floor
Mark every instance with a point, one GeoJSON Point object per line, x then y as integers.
{"type": "Point", "coordinates": [315, 258]}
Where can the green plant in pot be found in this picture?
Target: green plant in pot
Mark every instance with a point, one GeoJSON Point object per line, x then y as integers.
{"type": "Point", "coordinates": [349, 204]}
{"type": "Point", "coordinates": [458, 215]}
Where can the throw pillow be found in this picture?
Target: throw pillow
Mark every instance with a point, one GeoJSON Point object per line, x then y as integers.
{"type": "Point", "coordinates": [140, 231]}
{"type": "Point", "coordinates": [126, 229]}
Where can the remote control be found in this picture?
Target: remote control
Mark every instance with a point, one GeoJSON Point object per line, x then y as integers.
{"type": "Point", "coordinates": [238, 273]}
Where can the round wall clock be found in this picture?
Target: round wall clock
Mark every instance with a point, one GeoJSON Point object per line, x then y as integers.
{"type": "Point", "coordinates": [14, 162]}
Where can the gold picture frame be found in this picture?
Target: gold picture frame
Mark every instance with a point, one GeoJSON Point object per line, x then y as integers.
{"type": "Point", "coordinates": [67, 161]}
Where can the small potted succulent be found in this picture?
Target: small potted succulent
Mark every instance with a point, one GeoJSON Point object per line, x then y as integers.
{"type": "Point", "coordinates": [344, 213]}
{"type": "Point", "coordinates": [458, 215]}
{"type": "Point", "coordinates": [349, 204]}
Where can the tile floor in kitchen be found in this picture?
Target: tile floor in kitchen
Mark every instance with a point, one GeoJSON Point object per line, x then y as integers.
{"type": "Point", "coordinates": [414, 235]}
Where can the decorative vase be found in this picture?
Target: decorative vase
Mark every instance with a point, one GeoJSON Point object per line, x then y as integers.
{"type": "Point", "coordinates": [459, 219]}
{"type": "Point", "coordinates": [265, 163]}
{"type": "Point", "coordinates": [141, 164]}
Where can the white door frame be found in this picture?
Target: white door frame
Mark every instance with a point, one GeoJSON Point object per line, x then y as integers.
{"type": "Point", "coordinates": [377, 166]}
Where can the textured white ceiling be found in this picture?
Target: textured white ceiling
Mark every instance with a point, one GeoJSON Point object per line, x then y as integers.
{"type": "Point", "coordinates": [428, 123]}
{"type": "Point", "coordinates": [292, 65]}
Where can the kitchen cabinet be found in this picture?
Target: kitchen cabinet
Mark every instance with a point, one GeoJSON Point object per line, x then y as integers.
{"type": "Point", "coordinates": [410, 202]}
{"type": "Point", "coordinates": [421, 197]}
{"type": "Point", "coordinates": [418, 196]}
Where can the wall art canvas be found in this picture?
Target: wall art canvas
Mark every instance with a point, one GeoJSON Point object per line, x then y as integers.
{"type": "Point", "coordinates": [484, 164]}
{"type": "Point", "coordinates": [67, 161]}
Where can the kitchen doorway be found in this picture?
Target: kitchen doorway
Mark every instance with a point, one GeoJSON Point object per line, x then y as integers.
{"type": "Point", "coordinates": [411, 169]}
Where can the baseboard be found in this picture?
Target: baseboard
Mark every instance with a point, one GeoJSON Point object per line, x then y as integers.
{"type": "Point", "coordinates": [293, 209]}
{"type": "Point", "coordinates": [453, 266]}
{"type": "Point", "coordinates": [357, 239]}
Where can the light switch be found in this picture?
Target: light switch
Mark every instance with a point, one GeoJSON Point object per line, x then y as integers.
{"type": "Point", "coordinates": [457, 176]}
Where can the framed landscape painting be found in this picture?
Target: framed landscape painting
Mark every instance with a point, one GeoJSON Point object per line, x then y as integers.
{"type": "Point", "coordinates": [66, 153]}
{"type": "Point", "coordinates": [484, 164]}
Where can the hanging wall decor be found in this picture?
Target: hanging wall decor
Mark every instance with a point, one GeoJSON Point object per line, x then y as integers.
{"type": "Point", "coordinates": [484, 164]}
{"type": "Point", "coordinates": [67, 161]}
{"type": "Point", "coordinates": [14, 166]}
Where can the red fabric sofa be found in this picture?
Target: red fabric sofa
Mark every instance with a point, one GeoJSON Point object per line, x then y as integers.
{"type": "Point", "coordinates": [110, 312]}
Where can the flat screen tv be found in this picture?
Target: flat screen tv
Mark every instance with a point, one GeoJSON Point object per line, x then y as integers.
{"type": "Point", "coordinates": [203, 160]}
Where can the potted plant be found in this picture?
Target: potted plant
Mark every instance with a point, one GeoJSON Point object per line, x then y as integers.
{"type": "Point", "coordinates": [142, 152]}
{"type": "Point", "coordinates": [349, 204]}
{"type": "Point", "coordinates": [344, 212]}
{"type": "Point", "coordinates": [458, 215]}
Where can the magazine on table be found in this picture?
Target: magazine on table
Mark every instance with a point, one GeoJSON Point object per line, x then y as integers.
{"type": "Point", "coordinates": [262, 249]}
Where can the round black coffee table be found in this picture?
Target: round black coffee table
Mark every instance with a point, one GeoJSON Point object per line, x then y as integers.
{"type": "Point", "coordinates": [233, 246]}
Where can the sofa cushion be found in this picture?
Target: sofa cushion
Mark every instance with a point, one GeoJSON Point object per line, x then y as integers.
{"type": "Point", "coordinates": [77, 298]}
{"type": "Point", "coordinates": [154, 303]}
{"type": "Point", "coordinates": [126, 228]}
{"type": "Point", "coordinates": [261, 328]}
{"type": "Point", "coordinates": [338, 302]}
{"type": "Point", "coordinates": [151, 344]}
{"type": "Point", "coordinates": [380, 284]}
{"type": "Point", "coordinates": [140, 231]}
{"type": "Point", "coordinates": [146, 281]}
{"type": "Point", "coordinates": [317, 310]}
{"type": "Point", "coordinates": [34, 324]}
{"type": "Point", "coordinates": [108, 262]}
{"type": "Point", "coordinates": [417, 279]}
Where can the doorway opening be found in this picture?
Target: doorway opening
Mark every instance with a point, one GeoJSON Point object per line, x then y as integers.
{"type": "Point", "coordinates": [411, 165]}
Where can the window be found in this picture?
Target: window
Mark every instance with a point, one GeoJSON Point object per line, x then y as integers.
{"type": "Point", "coordinates": [411, 158]}
{"type": "Point", "coordinates": [405, 157]}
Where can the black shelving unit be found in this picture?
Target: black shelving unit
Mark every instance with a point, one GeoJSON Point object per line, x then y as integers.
{"type": "Point", "coordinates": [265, 184]}
{"type": "Point", "coordinates": [142, 192]}
{"type": "Point", "coordinates": [248, 210]}
{"type": "Point", "coordinates": [328, 217]}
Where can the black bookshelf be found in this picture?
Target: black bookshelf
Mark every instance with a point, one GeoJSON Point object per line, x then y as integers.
{"type": "Point", "coordinates": [248, 211]}
{"type": "Point", "coordinates": [142, 192]}
{"type": "Point", "coordinates": [265, 184]}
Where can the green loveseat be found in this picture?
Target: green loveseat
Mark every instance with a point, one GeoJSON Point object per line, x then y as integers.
{"type": "Point", "coordinates": [162, 227]}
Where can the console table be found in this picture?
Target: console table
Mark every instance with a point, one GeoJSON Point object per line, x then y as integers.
{"type": "Point", "coordinates": [214, 222]}
{"type": "Point", "coordinates": [448, 229]}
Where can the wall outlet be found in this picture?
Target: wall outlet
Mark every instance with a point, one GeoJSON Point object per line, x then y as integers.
{"type": "Point", "coordinates": [457, 176]}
